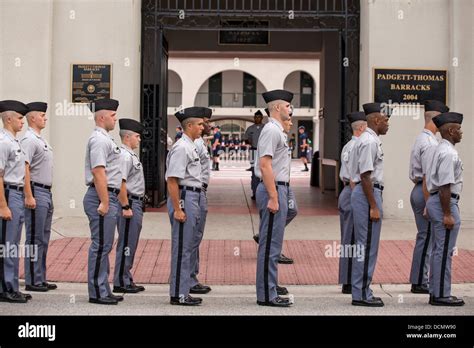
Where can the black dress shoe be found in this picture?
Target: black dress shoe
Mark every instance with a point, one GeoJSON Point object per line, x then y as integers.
{"type": "Point", "coordinates": [420, 289]}
{"type": "Point", "coordinates": [249, 169]}
{"type": "Point", "coordinates": [39, 288]}
{"type": "Point", "coordinates": [253, 198]}
{"type": "Point", "coordinates": [285, 260]}
{"type": "Point", "coordinates": [129, 289]}
{"type": "Point", "coordinates": [50, 286]}
{"type": "Point", "coordinates": [186, 301]}
{"type": "Point", "coordinates": [373, 302]}
{"type": "Point", "coordinates": [451, 301]}
{"type": "Point", "coordinates": [13, 297]}
{"type": "Point", "coordinates": [276, 302]}
{"type": "Point", "coordinates": [104, 300]}
{"type": "Point", "coordinates": [347, 289]}
{"type": "Point", "coordinates": [256, 238]}
{"type": "Point", "coordinates": [116, 298]}
{"type": "Point", "coordinates": [281, 290]}
{"type": "Point", "coordinates": [139, 287]}
{"type": "Point", "coordinates": [200, 289]}
{"type": "Point", "coordinates": [25, 295]}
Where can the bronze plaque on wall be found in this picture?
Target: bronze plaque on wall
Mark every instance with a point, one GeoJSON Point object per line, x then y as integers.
{"type": "Point", "coordinates": [409, 85]}
{"type": "Point", "coordinates": [91, 82]}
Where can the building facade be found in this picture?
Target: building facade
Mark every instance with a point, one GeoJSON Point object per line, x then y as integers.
{"type": "Point", "coordinates": [41, 40]}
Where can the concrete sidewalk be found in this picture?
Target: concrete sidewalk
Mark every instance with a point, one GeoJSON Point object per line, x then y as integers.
{"type": "Point", "coordinates": [72, 299]}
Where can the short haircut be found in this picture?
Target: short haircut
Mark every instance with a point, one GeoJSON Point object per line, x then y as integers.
{"type": "Point", "coordinates": [124, 132]}
{"type": "Point", "coordinates": [430, 114]}
{"type": "Point", "coordinates": [356, 125]}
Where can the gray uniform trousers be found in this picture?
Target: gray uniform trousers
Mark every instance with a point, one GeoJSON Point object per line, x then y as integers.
{"type": "Point", "coordinates": [197, 239]}
{"type": "Point", "coordinates": [182, 242]}
{"type": "Point", "coordinates": [10, 235]}
{"type": "Point", "coordinates": [102, 237]}
{"type": "Point", "coordinates": [128, 235]}
{"type": "Point", "coordinates": [443, 242]}
{"type": "Point", "coordinates": [38, 231]}
{"type": "Point", "coordinates": [347, 235]}
{"type": "Point", "coordinates": [271, 231]}
{"type": "Point", "coordinates": [367, 237]}
{"type": "Point", "coordinates": [422, 252]}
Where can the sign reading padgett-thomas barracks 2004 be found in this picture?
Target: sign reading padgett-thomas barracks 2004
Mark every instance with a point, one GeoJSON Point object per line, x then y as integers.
{"type": "Point", "coordinates": [409, 85]}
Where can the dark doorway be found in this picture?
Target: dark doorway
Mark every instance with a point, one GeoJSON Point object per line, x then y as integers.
{"type": "Point", "coordinates": [328, 28]}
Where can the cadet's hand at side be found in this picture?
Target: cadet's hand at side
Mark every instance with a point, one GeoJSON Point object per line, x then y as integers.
{"type": "Point", "coordinates": [30, 202]}
{"type": "Point", "coordinates": [179, 215]}
{"type": "Point", "coordinates": [374, 214]}
{"type": "Point", "coordinates": [127, 214]}
{"type": "Point", "coordinates": [5, 213]}
{"type": "Point", "coordinates": [103, 209]}
{"type": "Point", "coordinates": [273, 205]}
{"type": "Point", "coordinates": [448, 221]}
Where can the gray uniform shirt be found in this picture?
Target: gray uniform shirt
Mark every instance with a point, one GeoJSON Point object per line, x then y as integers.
{"type": "Point", "coordinates": [273, 143]}
{"type": "Point", "coordinates": [420, 155]}
{"type": "Point", "coordinates": [132, 171]}
{"type": "Point", "coordinates": [446, 168]}
{"type": "Point", "coordinates": [103, 151]}
{"type": "Point", "coordinates": [183, 162]}
{"type": "Point", "coordinates": [204, 157]}
{"type": "Point", "coordinates": [40, 157]}
{"type": "Point", "coordinates": [12, 159]}
{"type": "Point", "coordinates": [367, 155]}
{"type": "Point", "coordinates": [345, 156]}
{"type": "Point", "coordinates": [252, 134]}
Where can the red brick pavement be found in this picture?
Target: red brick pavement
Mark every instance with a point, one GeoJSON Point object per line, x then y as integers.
{"type": "Point", "coordinates": [234, 262]}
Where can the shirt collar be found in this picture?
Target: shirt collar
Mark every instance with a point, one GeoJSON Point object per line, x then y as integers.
{"type": "Point", "coordinates": [277, 123]}
{"type": "Point", "coordinates": [34, 132]}
{"type": "Point", "coordinates": [371, 132]}
{"type": "Point", "coordinates": [188, 139]}
{"type": "Point", "coordinates": [102, 130]}
{"type": "Point", "coordinates": [9, 135]}
{"type": "Point", "coordinates": [353, 137]}
{"type": "Point", "coordinates": [125, 147]}
{"type": "Point", "coordinates": [430, 133]}
{"type": "Point", "coordinates": [447, 142]}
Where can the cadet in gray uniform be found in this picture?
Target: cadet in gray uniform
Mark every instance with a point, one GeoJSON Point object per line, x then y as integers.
{"type": "Point", "coordinates": [421, 154]}
{"type": "Point", "coordinates": [196, 286]}
{"type": "Point", "coordinates": [251, 135]}
{"type": "Point", "coordinates": [275, 200]}
{"type": "Point", "coordinates": [130, 217]}
{"type": "Point", "coordinates": [12, 209]}
{"type": "Point", "coordinates": [183, 176]}
{"type": "Point", "coordinates": [38, 197]}
{"type": "Point", "coordinates": [366, 168]}
{"type": "Point", "coordinates": [444, 182]}
{"type": "Point", "coordinates": [101, 205]}
{"type": "Point", "coordinates": [358, 123]}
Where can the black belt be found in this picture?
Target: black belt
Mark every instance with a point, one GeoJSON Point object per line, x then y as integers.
{"type": "Point", "coordinates": [47, 187]}
{"type": "Point", "coordinates": [346, 182]}
{"type": "Point", "coordinates": [380, 187]}
{"type": "Point", "coordinates": [13, 187]}
{"type": "Point", "coordinates": [253, 148]}
{"type": "Point", "coordinates": [110, 189]}
{"type": "Point", "coordinates": [281, 183]}
{"type": "Point", "coordinates": [136, 198]}
{"type": "Point", "coordinates": [453, 195]}
{"type": "Point", "coordinates": [205, 186]}
{"type": "Point", "coordinates": [190, 188]}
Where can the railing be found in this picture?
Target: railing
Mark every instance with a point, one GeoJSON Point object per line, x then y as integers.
{"type": "Point", "coordinates": [332, 6]}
